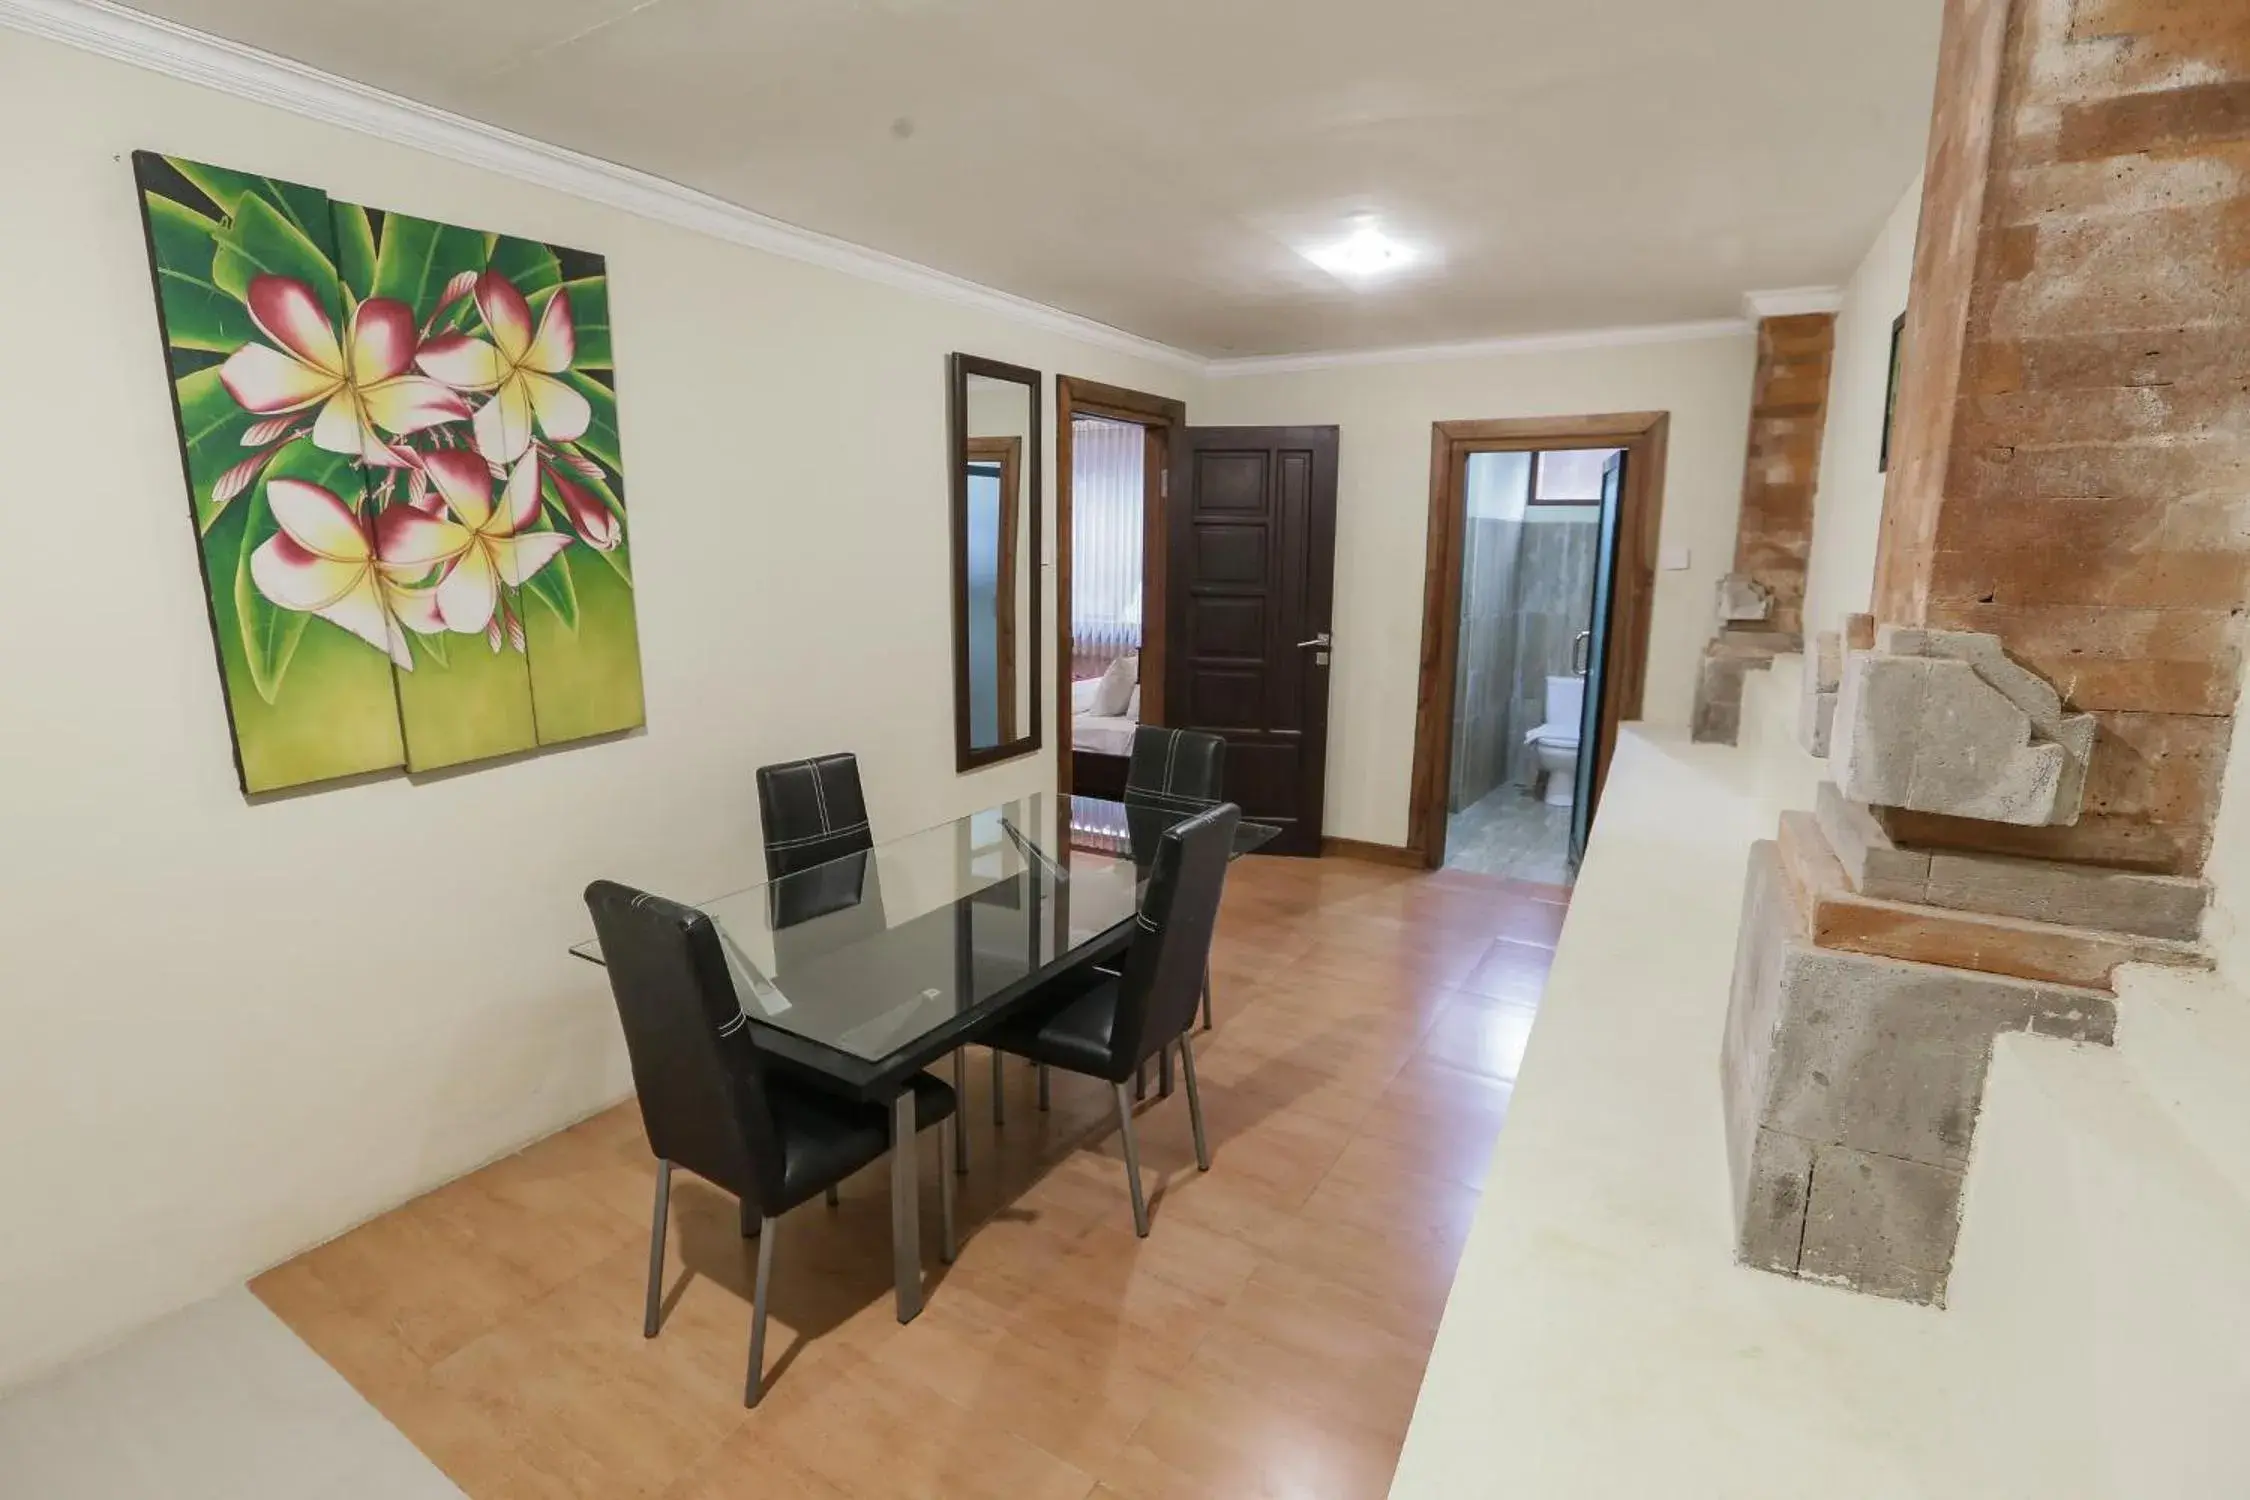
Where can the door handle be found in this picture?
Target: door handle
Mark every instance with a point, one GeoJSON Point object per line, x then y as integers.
{"type": "Point", "coordinates": [1321, 640]}
{"type": "Point", "coordinates": [1581, 654]}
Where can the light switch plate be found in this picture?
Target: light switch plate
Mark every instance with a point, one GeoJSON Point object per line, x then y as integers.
{"type": "Point", "coordinates": [1675, 559]}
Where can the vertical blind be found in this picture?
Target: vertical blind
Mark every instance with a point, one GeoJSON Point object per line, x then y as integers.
{"type": "Point", "coordinates": [1105, 542]}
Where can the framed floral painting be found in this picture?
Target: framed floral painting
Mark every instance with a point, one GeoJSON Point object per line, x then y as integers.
{"type": "Point", "coordinates": [400, 442]}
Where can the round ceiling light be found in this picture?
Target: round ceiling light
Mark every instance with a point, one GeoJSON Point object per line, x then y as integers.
{"type": "Point", "coordinates": [1362, 255]}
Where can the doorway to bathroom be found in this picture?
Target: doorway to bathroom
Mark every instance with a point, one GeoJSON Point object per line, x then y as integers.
{"type": "Point", "coordinates": [1535, 635]}
{"type": "Point", "coordinates": [1528, 552]}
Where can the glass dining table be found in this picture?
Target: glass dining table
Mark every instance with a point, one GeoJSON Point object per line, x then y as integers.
{"type": "Point", "coordinates": [869, 968]}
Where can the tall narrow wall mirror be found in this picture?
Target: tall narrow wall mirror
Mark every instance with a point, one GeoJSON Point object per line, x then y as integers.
{"type": "Point", "coordinates": [994, 453]}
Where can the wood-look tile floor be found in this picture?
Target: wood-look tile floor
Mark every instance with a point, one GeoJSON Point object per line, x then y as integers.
{"type": "Point", "coordinates": [1267, 1339]}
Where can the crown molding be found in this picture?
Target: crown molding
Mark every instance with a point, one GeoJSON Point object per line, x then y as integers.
{"type": "Point", "coordinates": [1535, 343]}
{"type": "Point", "coordinates": [162, 46]}
{"type": "Point", "coordinates": [1792, 301]}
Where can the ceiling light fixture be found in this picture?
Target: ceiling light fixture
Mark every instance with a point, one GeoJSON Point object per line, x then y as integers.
{"type": "Point", "coordinates": [1362, 255]}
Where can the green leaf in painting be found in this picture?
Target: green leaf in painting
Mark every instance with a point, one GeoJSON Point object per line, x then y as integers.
{"type": "Point", "coordinates": [305, 207]}
{"type": "Point", "coordinates": [589, 315]}
{"type": "Point", "coordinates": [197, 315]}
{"type": "Point", "coordinates": [355, 249]}
{"type": "Point", "coordinates": [600, 438]}
{"type": "Point", "coordinates": [417, 258]}
{"type": "Point", "coordinates": [211, 429]}
{"type": "Point", "coordinates": [269, 632]}
{"type": "Point", "coordinates": [337, 473]}
{"type": "Point", "coordinates": [261, 240]}
{"type": "Point", "coordinates": [553, 587]}
{"type": "Point", "coordinates": [430, 646]}
{"type": "Point", "coordinates": [527, 263]}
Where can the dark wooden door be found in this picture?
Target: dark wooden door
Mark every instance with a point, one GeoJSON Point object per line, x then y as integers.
{"type": "Point", "coordinates": [1249, 584]}
{"type": "Point", "coordinates": [1594, 716]}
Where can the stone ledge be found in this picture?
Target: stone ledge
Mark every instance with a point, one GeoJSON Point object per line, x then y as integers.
{"type": "Point", "coordinates": [2037, 890]}
{"type": "Point", "coordinates": [1843, 921]}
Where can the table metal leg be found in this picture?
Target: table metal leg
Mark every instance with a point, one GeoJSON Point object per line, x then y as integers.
{"type": "Point", "coordinates": [960, 1102]}
{"type": "Point", "coordinates": [946, 1127]}
{"type": "Point", "coordinates": [906, 1208]}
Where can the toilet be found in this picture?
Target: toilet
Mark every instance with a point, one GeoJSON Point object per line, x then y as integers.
{"type": "Point", "coordinates": [1557, 739]}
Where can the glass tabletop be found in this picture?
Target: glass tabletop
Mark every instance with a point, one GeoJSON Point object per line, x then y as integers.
{"type": "Point", "coordinates": [879, 960]}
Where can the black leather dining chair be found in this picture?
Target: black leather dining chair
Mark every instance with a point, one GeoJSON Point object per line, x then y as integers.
{"type": "Point", "coordinates": [713, 1103]}
{"type": "Point", "coordinates": [812, 812]}
{"type": "Point", "coordinates": [1106, 1025]}
{"type": "Point", "coordinates": [815, 819]}
{"type": "Point", "coordinates": [1177, 771]}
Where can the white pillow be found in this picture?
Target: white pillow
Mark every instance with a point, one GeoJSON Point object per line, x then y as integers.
{"type": "Point", "coordinates": [1083, 692]}
{"type": "Point", "coordinates": [1133, 708]}
{"type": "Point", "coordinates": [1116, 687]}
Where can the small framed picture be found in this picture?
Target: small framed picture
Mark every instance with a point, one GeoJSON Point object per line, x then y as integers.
{"type": "Point", "coordinates": [1890, 394]}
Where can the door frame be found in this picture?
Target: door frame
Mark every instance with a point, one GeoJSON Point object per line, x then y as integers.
{"type": "Point", "coordinates": [1160, 418]}
{"type": "Point", "coordinates": [1644, 436]}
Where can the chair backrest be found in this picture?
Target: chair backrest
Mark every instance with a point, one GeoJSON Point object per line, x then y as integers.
{"type": "Point", "coordinates": [695, 1067]}
{"type": "Point", "coordinates": [812, 812]}
{"type": "Point", "coordinates": [1162, 985]}
{"type": "Point", "coordinates": [1177, 770]}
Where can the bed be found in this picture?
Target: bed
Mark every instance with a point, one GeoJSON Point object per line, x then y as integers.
{"type": "Point", "coordinates": [1101, 742]}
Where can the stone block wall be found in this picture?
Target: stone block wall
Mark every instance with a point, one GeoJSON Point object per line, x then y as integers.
{"type": "Point", "coordinates": [2072, 465]}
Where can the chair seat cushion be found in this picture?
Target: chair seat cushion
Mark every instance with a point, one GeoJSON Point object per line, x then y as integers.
{"type": "Point", "coordinates": [1072, 1030]}
{"type": "Point", "coordinates": [826, 1137]}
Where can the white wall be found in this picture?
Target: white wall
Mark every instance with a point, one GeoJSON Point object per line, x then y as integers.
{"type": "Point", "coordinates": [1848, 508]}
{"type": "Point", "coordinates": [1385, 412]}
{"type": "Point", "coordinates": [227, 1032]}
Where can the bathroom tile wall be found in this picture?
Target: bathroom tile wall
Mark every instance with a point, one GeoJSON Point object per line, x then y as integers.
{"type": "Point", "coordinates": [1485, 676]}
{"type": "Point", "coordinates": [1554, 587]}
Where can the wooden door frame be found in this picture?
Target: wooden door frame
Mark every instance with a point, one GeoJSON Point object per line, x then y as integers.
{"type": "Point", "coordinates": [1160, 418]}
{"type": "Point", "coordinates": [1644, 436]}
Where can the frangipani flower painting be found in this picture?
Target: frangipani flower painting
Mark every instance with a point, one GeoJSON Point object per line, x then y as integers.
{"type": "Point", "coordinates": [401, 448]}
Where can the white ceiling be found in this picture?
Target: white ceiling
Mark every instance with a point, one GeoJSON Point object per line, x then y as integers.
{"type": "Point", "coordinates": [1155, 166]}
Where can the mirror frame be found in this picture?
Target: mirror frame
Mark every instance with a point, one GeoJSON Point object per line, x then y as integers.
{"type": "Point", "coordinates": [959, 367]}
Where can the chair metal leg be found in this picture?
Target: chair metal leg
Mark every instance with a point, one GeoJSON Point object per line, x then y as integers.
{"type": "Point", "coordinates": [1195, 1103]}
{"type": "Point", "coordinates": [1043, 1098]}
{"type": "Point", "coordinates": [1164, 1074]}
{"type": "Point", "coordinates": [1132, 1163]}
{"type": "Point", "coordinates": [754, 1386]}
{"type": "Point", "coordinates": [834, 1197]}
{"type": "Point", "coordinates": [1206, 997]}
{"type": "Point", "coordinates": [999, 1092]}
{"type": "Point", "coordinates": [961, 1101]}
{"type": "Point", "coordinates": [656, 1248]}
{"type": "Point", "coordinates": [906, 1209]}
{"type": "Point", "coordinates": [946, 1127]}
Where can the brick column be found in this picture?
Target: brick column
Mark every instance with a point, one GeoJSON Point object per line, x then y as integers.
{"type": "Point", "coordinates": [1761, 607]}
{"type": "Point", "coordinates": [2071, 463]}
{"type": "Point", "coordinates": [1788, 414]}
{"type": "Point", "coordinates": [2064, 565]}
